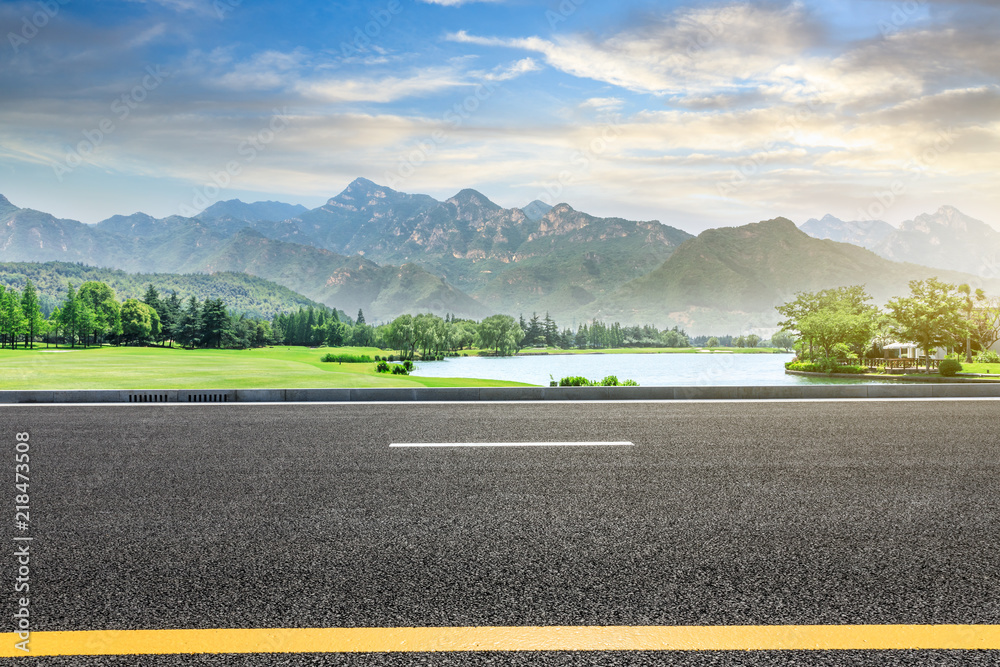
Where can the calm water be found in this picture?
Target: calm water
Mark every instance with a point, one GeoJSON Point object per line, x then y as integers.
{"type": "Point", "coordinates": [649, 370]}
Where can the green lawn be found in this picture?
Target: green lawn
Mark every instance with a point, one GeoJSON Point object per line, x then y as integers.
{"type": "Point", "coordinates": [993, 369]}
{"type": "Point", "coordinates": [166, 368]}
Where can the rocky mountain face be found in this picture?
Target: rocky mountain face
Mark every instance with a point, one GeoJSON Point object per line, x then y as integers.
{"type": "Point", "coordinates": [141, 243]}
{"type": "Point", "coordinates": [864, 233]}
{"type": "Point", "coordinates": [390, 252]}
{"type": "Point", "coordinates": [946, 239]}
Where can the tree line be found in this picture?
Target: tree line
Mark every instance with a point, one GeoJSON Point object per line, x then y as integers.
{"type": "Point", "coordinates": [833, 325]}
{"type": "Point", "coordinates": [91, 314]}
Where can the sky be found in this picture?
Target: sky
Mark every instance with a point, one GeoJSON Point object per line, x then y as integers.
{"type": "Point", "coordinates": [695, 114]}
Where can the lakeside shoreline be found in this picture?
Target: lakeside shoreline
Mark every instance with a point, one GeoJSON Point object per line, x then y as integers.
{"type": "Point", "coordinates": [912, 377]}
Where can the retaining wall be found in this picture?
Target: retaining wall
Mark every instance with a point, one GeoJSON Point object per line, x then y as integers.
{"type": "Point", "coordinates": [444, 394]}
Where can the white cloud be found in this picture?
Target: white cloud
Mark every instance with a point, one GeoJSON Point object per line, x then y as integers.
{"type": "Point", "coordinates": [603, 103]}
{"type": "Point", "coordinates": [512, 71]}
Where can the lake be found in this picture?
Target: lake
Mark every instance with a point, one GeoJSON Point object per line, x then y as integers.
{"type": "Point", "coordinates": [649, 370]}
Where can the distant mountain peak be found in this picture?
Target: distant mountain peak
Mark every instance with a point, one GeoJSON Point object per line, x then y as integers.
{"type": "Point", "coordinates": [469, 197]}
{"type": "Point", "coordinates": [269, 211]}
{"type": "Point", "coordinates": [360, 189]}
{"type": "Point", "coordinates": [536, 210]}
{"type": "Point", "coordinates": [947, 217]}
{"type": "Point", "coordinates": [6, 206]}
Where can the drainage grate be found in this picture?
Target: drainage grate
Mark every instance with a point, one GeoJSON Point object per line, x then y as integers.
{"type": "Point", "coordinates": [147, 398]}
{"type": "Point", "coordinates": [208, 398]}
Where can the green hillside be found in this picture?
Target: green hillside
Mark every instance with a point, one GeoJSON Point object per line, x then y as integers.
{"type": "Point", "coordinates": [240, 292]}
{"type": "Point", "coordinates": [734, 276]}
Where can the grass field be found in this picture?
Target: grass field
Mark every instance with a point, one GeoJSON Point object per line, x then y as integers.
{"type": "Point", "coordinates": [993, 369]}
{"type": "Point", "coordinates": [166, 368]}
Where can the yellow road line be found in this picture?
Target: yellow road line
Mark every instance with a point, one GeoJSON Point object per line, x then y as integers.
{"type": "Point", "coordinates": [552, 638]}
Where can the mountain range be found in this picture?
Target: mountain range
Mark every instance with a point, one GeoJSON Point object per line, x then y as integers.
{"type": "Point", "coordinates": [390, 252]}
{"type": "Point", "coordinates": [946, 239]}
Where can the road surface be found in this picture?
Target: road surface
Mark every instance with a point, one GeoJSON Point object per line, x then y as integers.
{"type": "Point", "coordinates": [718, 514]}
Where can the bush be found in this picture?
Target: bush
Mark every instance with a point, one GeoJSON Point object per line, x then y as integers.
{"type": "Point", "coordinates": [948, 367]}
{"type": "Point", "coordinates": [824, 367]}
{"type": "Point", "coordinates": [382, 367]}
{"type": "Point", "coordinates": [408, 365]}
{"type": "Point", "coordinates": [579, 381]}
{"type": "Point", "coordinates": [400, 370]}
{"type": "Point", "coordinates": [988, 357]}
{"type": "Point", "coordinates": [347, 358]}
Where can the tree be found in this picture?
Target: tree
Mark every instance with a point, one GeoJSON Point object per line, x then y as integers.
{"type": "Point", "coordinates": [361, 317]}
{"type": "Point", "coordinates": [152, 298]}
{"type": "Point", "coordinates": [33, 320]}
{"type": "Point", "coordinates": [986, 323]}
{"type": "Point", "coordinates": [838, 321]}
{"type": "Point", "coordinates": [931, 316]}
{"type": "Point", "coordinates": [783, 340]}
{"type": "Point", "coordinates": [13, 323]}
{"type": "Point", "coordinates": [970, 303]}
{"type": "Point", "coordinates": [70, 314]}
{"type": "Point", "coordinates": [214, 322]}
{"type": "Point", "coordinates": [137, 321]}
{"type": "Point", "coordinates": [753, 340]}
{"type": "Point", "coordinates": [103, 303]}
{"type": "Point", "coordinates": [400, 336]}
{"type": "Point", "coordinates": [189, 332]}
{"type": "Point", "coordinates": [501, 333]}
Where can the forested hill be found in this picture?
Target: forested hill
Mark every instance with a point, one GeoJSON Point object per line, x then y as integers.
{"type": "Point", "coordinates": [240, 292]}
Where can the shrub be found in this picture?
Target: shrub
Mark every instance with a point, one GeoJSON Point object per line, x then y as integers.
{"type": "Point", "coordinates": [347, 358]}
{"type": "Point", "coordinates": [400, 370]}
{"type": "Point", "coordinates": [382, 367]}
{"type": "Point", "coordinates": [988, 357]}
{"type": "Point", "coordinates": [408, 365]}
{"type": "Point", "coordinates": [948, 367]}
{"type": "Point", "coordinates": [579, 381]}
{"type": "Point", "coordinates": [823, 367]}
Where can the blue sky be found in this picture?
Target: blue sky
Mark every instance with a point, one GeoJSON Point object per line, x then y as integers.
{"type": "Point", "coordinates": [695, 114]}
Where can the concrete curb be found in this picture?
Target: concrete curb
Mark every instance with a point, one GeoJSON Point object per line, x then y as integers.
{"type": "Point", "coordinates": [451, 394]}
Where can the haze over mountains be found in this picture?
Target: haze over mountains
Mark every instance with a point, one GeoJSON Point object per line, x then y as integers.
{"type": "Point", "coordinates": [390, 253]}
{"type": "Point", "coordinates": [946, 239]}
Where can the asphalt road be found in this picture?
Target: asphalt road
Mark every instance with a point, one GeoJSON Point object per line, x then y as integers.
{"type": "Point", "coordinates": [728, 513]}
